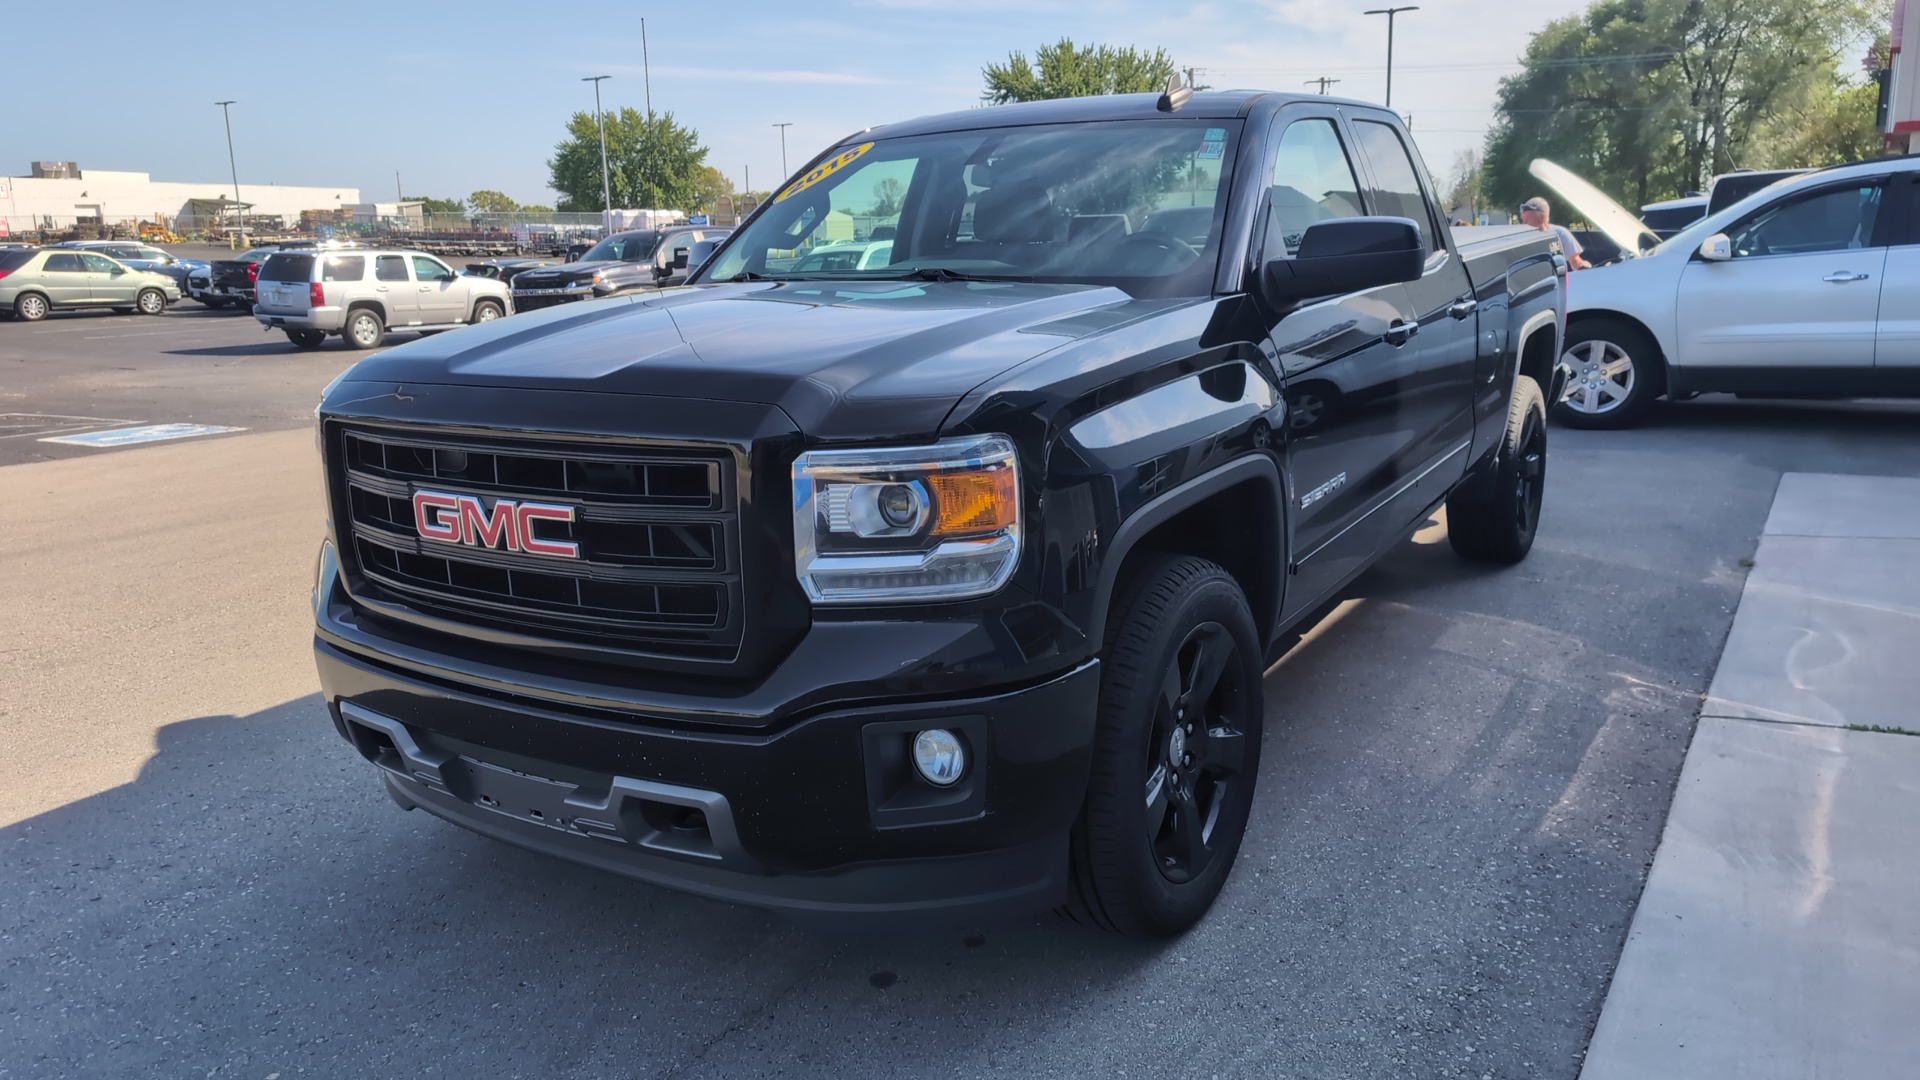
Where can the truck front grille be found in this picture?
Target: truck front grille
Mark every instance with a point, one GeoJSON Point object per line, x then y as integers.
{"type": "Point", "coordinates": [656, 529]}
{"type": "Point", "coordinates": [524, 302]}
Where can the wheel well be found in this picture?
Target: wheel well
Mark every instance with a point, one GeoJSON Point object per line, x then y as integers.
{"type": "Point", "coordinates": [1237, 527]}
{"type": "Point", "coordinates": [1594, 316]}
{"type": "Point", "coordinates": [478, 300]}
{"type": "Point", "coordinates": [1538, 354]}
{"type": "Point", "coordinates": [369, 305]}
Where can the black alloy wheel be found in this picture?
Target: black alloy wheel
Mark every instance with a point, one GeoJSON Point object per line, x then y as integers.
{"type": "Point", "coordinates": [1493, 517]}
{"type": "Point", "coordinates": [1176, 751]}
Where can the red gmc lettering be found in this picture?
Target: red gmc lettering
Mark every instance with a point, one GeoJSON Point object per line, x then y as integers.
{"type": "Point", "coordinates": [465, 520]}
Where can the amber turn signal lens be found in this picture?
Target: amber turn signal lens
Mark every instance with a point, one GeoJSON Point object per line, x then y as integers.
{"type": "Point", "coordinates": [973, 502]}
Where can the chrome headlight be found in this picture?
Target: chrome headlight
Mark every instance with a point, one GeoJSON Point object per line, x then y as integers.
{"type": "Point", "coordinates": [938, 522]}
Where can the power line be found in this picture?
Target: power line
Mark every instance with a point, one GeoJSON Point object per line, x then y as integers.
{"type": "Point", "coordinates": [1324, 83]}
{"type": "Point", "coordinates": [1515, 65]}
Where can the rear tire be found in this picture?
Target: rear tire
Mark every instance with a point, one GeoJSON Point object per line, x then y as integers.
{"type": "Point", "coordinates": [364, 329]}
{"type": "Point", "coordinates": [1616, 373]}
{"type": "Point", "coordinates": [306, 339]}
{"type": "Point", "coordinates": [30, 307]}
{"type": "Point", "coordinates": [1493, 517]}
{"type": "Point", "coordinates": [151, 301]}
{"type": "Point", "coordinates": [1176, 752]}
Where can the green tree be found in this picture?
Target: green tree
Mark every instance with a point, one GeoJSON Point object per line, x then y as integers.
{"type": "Point", "coordinates": [488, 201]}
{"type": "Point", "coordinates": [888, 197]}
{"type": "Point", "coordinates": [438, 206]}
{"type": "Point", "coordinates": [1064, 70]}
{"type": "Point", "coordinates": [710, 187]}
{"type": "Point", "coordinates": [1650, 98]}
{"type": "Point", "coordinates": [654, 163]}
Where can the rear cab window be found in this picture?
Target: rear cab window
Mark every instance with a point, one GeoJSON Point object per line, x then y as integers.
{"type": "Point", "coordinates": [287, 267]}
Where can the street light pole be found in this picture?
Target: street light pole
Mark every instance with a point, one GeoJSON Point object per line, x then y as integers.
{"type": "Point", "coordinates": [783, 147]}
{"type": "Point", "coordinates": [1390, 13]}
{"type": "Point", "coordinates": [606, 185]}
{"type": "Point", "coordinates": [227, 111]}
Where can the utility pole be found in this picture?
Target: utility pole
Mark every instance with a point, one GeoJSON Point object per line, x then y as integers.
{"type": "Point", "coordinates": [399, 190]}
{"type": "Point", "coordinates": [1190, 81]}
{"type": "Point", "coordinates": [1324, 83]}
{"type": "Point", "coordinates": [606, 185]}
{"type": "Point", "coordinates": [1390, 13]}
{"type": "Point", "coordinates": [783, 148]}
{"type": "Point", "coordinates": [646, 68]}
{"type": "Point", "coordinates": [227, 111]}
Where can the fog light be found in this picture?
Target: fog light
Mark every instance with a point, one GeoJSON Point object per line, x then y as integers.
{"type": "Point", "coordinates": [939, 757]}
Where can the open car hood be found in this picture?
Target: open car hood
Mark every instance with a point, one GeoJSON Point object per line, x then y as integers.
{"type": "Point", "coordinates": [1590, 203]}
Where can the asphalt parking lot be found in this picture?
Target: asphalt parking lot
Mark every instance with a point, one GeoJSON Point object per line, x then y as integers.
{"type": "Point", "coordinates": [1466, 780]}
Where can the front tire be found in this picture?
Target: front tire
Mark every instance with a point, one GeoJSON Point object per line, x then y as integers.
{"type": "Point", "coordinates": [1616, 372]}
{"type": "Point", "coordinates": [151, 301]}
{"type": "Point", "coordinates": [1493, 517]}
{"type": "Point", "coordinates": [486, 311]}
{"type": "Point", "coordinates": [364, 329]}
{"type": "Point", "coordinates": [1176, 752]}
{"type": "Point", "coordinates": [30, 307]}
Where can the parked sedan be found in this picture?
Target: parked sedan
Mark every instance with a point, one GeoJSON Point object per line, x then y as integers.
{"type": "Point", "coordinates": [37, 281]}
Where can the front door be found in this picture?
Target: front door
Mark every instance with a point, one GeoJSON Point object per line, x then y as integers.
{"type": "Point", "coordinates": [1898, 343]}
{"type": "Point", "coordinates": [1343, 360]}
{"type": "Point", "coordinates": [395, 287]}
{"type": "Point", "coordinates": [1801, 290]}
{"type": "Point", "coordinates": [108, 282]}
{"type": "Point", "coordinates": [66, 278]}
{"type": "Point", "coordinates": [441, 293]}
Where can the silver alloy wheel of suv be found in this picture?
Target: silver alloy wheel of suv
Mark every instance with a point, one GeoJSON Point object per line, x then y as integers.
{"type": "Point", "coordinates": [152, 301]}
{"type": "Point", "coordinates": [1601, 378]}
{"type": "Point", "coordinates": [30, 307]}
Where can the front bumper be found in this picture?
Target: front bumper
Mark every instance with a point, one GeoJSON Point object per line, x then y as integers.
{"type": "Point", "coordinates": [813, 812]}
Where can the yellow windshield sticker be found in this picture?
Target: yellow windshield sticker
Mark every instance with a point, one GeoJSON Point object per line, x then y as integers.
{"type": "Point", "coordinates": [823, 170]}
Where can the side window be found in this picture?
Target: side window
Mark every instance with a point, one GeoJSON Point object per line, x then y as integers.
{"type": "Point", "coordinates": [426, 269]}
{"type": "Point", "coordinates": [344, 268]}
{"type": "Point", "coordinates": [389, 268]}
{"type": "Point", "coordinates": [1398, 193]}
{"type": "Point", "coordinates": [65, 263]}
{"type": "Point", "coordinates": [680, 241]}
{"type": "Point", "coordinates": [1831, 220]}
{"type": "Point", "coordinates": [1312, 181]}
{"type": "Point", "coordinates": [97, 264]}
{"type": "Point", "coordinates": [153, 254]}
{"type": "Point", "coordinates": [124, 252]}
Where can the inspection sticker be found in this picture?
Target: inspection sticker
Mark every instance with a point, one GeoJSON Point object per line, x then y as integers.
{"type": "Point", "coordinates": [144, 434]}
{"type": "Point", "coordinates": [823, 170]}
{"type": "Point", "coordinates": [1213, 145]}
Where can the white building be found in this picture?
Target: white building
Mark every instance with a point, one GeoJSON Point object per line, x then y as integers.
{"type": "Point", "coordinates": [59, 195]}
{"type": "Point", "coordinates": [1903, 89]}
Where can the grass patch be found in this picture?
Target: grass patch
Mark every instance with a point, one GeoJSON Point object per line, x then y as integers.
{"type": "Point", "coordinates": [1881, 729]}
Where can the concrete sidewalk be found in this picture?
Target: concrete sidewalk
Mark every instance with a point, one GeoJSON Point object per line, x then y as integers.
{"type": "Point", "coordinates": [1777, 936]}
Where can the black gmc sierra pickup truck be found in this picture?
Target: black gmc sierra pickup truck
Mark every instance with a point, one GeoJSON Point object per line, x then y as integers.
{"type": "Point", "coordinates": [940, 589]}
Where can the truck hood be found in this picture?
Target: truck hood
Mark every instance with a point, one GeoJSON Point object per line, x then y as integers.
{"type": "Point", "coordinates": [546, 276]}
{"type": "Point", "coordinates": [844, 360]}
{"type": "Point", "coordinates": [1616, 221]}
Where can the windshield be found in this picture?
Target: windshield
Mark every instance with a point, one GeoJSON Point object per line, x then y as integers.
{"type": "Point", "coordinates": [1136, 204]}
{"type": "Point", "coordinates": [625, 247]}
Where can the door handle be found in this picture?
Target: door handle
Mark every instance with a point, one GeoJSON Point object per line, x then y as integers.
{"type": "Point", "coordinates": [1463, 308]}
{"type": "Point", "coordinates": [1841, 277]}
{"type": "Point", "coordinates": [426, 288]}
{"type": "Point", "coordinates": [1401, 332]}
{"type": "Point", "coordinates": [380, 288]}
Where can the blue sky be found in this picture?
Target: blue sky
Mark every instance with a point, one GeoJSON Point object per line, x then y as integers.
{"type": "Point", "coordinates": [474, 95]}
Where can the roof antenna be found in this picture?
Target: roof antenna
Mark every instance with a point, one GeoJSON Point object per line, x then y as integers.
{"type": "Point", "coordinates": [1176, 95]}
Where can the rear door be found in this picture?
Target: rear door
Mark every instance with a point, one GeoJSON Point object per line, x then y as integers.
{"type": "Point", "coordinates": [1341, 371]}
{"type": "Point", "coordinates": [1898, 342]}
{"type": "Point", "coordinates": [441, 294]}
{"type": "Point", "coordinates": [1802, 289]}
{"type": "Point", "coordinates": [66, 279]}
{"type": "Point", "coordinates": [285, 284]}
{"type": "Point", "coordinates": [1434, 389]}
{"type": "Point", "coordinates": [394, 286]}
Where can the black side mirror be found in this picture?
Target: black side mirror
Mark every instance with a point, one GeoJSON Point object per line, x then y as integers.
{"type": "Point", "coordinates": [1347, 255]}
{"type": "Point", "coordinates": [679, 258]}
{"type": "Point", "coordinates": [700, 252]}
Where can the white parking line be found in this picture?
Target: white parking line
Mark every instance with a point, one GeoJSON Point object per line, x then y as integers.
{"type": "Point", "coordinates": [145, 333]}
{"type": "Point", "coordinates": [41, 424]}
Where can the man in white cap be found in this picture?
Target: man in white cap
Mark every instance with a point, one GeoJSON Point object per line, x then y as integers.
{"type": "Point", "coordinates": [1534, 213]}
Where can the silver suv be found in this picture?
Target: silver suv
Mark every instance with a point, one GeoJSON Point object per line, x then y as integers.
{"type": "Point", "coordinates": [363, 293]}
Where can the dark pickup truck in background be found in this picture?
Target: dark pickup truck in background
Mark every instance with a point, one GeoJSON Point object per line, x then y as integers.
{"type": "Point", "coordinates": [940, 589]}
{"type": "Point", "coordinates": [622, 263]}
{"type": "Point", "coordinates": [232, 280]}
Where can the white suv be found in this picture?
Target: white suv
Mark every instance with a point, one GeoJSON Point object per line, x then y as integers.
{"type": "Point", "coordinates": [363, 293]}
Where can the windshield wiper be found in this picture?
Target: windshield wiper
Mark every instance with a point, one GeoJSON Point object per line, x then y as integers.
{"type": "Point", "coordinates": [941, 273]}
{"type": "Point", "coordinates": [747, 275]}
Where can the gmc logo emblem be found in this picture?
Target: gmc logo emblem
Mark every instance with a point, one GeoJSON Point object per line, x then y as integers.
{"type": "Point", "coordinates": [462, 519]}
